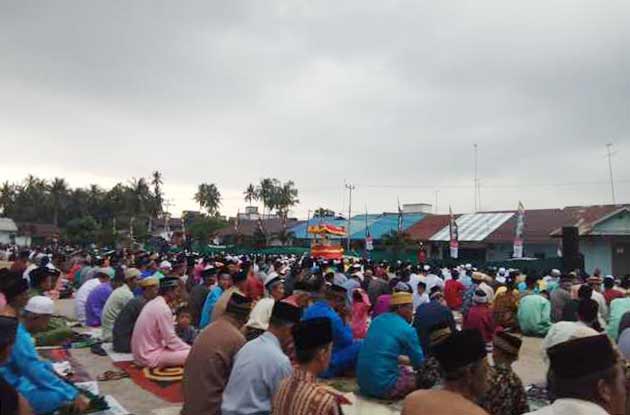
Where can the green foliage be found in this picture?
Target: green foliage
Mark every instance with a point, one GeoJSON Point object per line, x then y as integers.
{"type": "Point", "coordinates": [277, 196]}
{"type": "Point", "coordinates": [397, 242]}
{"type": "Point", "coordinates": [40, 201]}
{"type": "Point", "coordinates": [251, 193]}
{"type": "Point", "coordinates": [209, 198]}
{"type": "Point", "coordinates": [82, 231]}
{"type": "Point", "coordinates": [204, 227]}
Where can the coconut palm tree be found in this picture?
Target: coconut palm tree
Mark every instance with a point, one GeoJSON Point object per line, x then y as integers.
{"type": "Point", "coordinates": [58, 191]}
{"type": "Point", "coordinates": [7, 197]}
{"type": "Point", "coordinates": [209, 198]}
{"type": "Point", "coordinates": [286, 198]}
{"type": "Point", "coordinates": [157, 182]}
{"type": "Point", "coordinates": [250, 194]}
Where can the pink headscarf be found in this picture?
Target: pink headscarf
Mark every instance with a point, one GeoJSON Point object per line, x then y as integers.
{"type": "Point", "coordinates": [360, 313]}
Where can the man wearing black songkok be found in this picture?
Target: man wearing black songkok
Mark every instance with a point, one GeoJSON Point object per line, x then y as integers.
{"type": "Point", "coordinates": [261, 365]}
{"type": "Point", "coordinates": [300, 394]}
{"type": "Point", "coordinates": [586, 377]}
{"type": "Point", "coordinates": [462, 357]}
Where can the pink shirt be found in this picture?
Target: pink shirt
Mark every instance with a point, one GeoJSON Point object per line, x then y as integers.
{"type": "Point", "coordinates": [154, 333]}
{"type": "Point", "coordinates": [382, 305]}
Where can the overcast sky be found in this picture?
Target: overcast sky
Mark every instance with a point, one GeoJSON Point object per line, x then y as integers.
{"type": "Point", "coordinates": [389, 95]}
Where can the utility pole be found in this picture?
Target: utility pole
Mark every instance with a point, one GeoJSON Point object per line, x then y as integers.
{"type": "Point", "coordinates": [167, 204]}
{"type": "Point", "coordinates": [437, 193]}
{"type": "Point", "coordinates": [476, 179]}
{"type": "Point", "coordinates": [610, 169]}
{"type": "Point", "coordinates": [350, 188]}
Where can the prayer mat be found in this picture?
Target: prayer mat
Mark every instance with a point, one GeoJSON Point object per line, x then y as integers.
{"type": "Point", "coordinates": [164, 383]}
{"type": "Point", "coordinates": [537, 396]}
{"type": "Point", "coordinates": [342, 384]}
{"type": "Point", "coordinates": [59, 354]}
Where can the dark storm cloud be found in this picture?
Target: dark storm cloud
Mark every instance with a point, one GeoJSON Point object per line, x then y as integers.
{"type": "Point", "coordinates": [379, 93]}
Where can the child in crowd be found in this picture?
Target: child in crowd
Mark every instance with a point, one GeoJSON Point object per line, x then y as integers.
{"type": "Point", "coordinates": [184, 329]}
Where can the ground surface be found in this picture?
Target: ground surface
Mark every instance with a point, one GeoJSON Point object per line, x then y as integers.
{"type": "Point", "coordinates": [137, 401]}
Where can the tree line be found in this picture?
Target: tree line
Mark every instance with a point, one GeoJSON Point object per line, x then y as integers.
{"type": "Point", "coordinates": [97, 214]}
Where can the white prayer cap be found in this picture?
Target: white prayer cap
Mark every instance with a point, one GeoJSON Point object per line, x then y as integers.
{"type": "Point", "coordinates": [555, 273]}
{"type": "Point", "coordinates": [502, 271]}
{"type": "Point", "coordinates": [427, 267]}
{"type": "Point", "coordinates": [468, 267]}
{"type": "Point", "coordinates": [166, 265]}
{"type": "Point", "coordinates": [40, 305]}
{"type": "Point", "coordinates": [271, 280]}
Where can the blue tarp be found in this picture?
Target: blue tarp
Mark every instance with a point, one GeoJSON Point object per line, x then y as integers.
{"type": "Point", "coordinates": [378, 225]}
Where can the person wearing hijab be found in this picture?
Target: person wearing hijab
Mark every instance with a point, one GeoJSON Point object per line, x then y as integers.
{"type": "Point", "coordinates": [360, 312]}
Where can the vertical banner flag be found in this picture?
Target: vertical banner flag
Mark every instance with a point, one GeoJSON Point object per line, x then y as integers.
{"type": "Point", "coordinates": [400, 217]}
{"type": "Point", "coordinates": [454, 233]}
{"type": "Point", "coordinates": [236, 221]}
{"type": "Point", "coordinates": [369, 243]}
{"type": "Point", "coordinates": [518, 232]}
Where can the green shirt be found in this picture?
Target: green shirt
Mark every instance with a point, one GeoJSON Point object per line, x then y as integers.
{"type": "Point", "coordinates": [618, 308]}
{"type": "Point", "coordinates": [57, 333]}
{"type": "Point", "coordinates": [534, 315]}
{"type": "Point", "coordinates": [114, 305]}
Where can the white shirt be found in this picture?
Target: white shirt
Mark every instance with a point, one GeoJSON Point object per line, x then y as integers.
{"type": "Point", "coordinates": [433, 280]}
{"type": "Point", "coordinates": [603, 307]}
{"type": "Point", "coordinates": [260, 314]}
{"type": "Point", "coordinates": [81, 298]}
{"type": "Point", "coordinates": [570, 407]}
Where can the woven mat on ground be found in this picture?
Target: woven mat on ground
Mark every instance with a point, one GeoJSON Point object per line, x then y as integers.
{"type": "Point", "coordinates": [349, 385]}
{"type": "Point", "coordinates": [163, 383]}
{"type": "Point", "coordinates": [59, 354]}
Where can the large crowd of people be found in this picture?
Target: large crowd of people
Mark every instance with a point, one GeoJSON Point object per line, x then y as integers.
{"type": "Point", "coordinates": [261, 334]}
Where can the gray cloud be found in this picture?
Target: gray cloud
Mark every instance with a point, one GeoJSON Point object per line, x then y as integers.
{"type": "Point", "coordinates": [381, 94]}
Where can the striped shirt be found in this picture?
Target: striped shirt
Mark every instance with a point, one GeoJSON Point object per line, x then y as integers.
{"type": "Point", "coordinates": [300, 394]}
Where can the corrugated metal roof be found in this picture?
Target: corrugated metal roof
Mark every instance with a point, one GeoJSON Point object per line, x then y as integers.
{"type": "Point", "coordinates": [7, 225]}
{"type": "Point", "coordinates": [387, 223]}
{"type": "Point", "coordinates": [474, 227]}
{"type": "Point", "coordinates": [428, 226]}
{"type": "Point", "coordinates": [539, 223]}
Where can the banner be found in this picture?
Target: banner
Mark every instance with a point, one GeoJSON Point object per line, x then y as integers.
{"type": "Point", "coordinates": [518, 231]}
{"type": "Point", "coordinates": [369, 242]}
{"type": "Point", "coordinates": [400, 218]}
{"type": "Point", "coordinates": [454, 235]}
